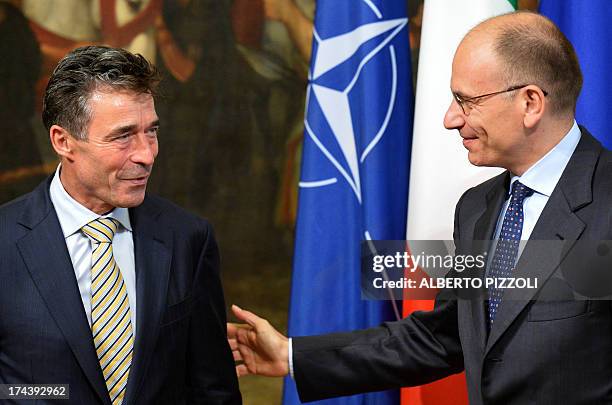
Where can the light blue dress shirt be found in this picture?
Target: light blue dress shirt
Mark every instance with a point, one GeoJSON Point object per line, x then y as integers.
{"type": "Point", "coordinates": [542, 178]}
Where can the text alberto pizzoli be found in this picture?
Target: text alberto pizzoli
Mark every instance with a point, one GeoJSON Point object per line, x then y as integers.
{"type": "Point", "coordinates": [410, 263]}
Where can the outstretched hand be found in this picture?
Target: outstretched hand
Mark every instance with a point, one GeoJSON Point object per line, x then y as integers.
{"type": "Point", "coordinates": [257, 347]}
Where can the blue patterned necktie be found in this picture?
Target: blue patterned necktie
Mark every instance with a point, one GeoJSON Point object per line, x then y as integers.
{"type": "Point", "coordinates": [507, 247]}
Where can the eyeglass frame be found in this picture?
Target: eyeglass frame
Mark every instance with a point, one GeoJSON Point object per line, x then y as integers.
{"type": "Point", "coordinates": [461, 100]}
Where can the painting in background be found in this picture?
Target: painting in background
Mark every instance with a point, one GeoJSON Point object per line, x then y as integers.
{"type": "Point", "coordinates": [21, 166]}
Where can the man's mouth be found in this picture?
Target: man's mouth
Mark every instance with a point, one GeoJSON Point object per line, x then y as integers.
{"type": "Point", "coordinates": [137, 180]}
{"type": "Point", "coordinates": [468, 140]}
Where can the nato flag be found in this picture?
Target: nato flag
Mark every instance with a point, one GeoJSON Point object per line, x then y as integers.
{"type": "Point", "coordinates": [355, 166]}
{"type": "Point", "coordinates": [587, 26]}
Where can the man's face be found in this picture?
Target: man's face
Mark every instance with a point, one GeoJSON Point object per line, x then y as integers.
{"type": "Point", "coordinates": [491, 127]}
{"type": "Point", "coordinates": [111, 168]}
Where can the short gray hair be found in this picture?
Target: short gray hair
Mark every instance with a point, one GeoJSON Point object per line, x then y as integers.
{"type": "Point", "coordinates": [534, 51]}
{"type": "Point", "coordinates": [90, 68]}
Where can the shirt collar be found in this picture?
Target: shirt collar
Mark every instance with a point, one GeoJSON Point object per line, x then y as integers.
{"type": "Point", "coordinates": [544, 175]}
{"type": "Point", "coordinates": [72, 215]}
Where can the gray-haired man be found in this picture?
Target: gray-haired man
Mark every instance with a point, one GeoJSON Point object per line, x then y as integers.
{"type": "Point", "coordinates": [104, 288]}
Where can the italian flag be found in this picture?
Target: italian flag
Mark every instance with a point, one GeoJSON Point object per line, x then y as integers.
{"type": "Point", "coordinates": [440, 171]}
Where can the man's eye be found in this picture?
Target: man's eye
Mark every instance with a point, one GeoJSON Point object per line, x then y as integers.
{"type": "Point", "coordinates": [153, 131]}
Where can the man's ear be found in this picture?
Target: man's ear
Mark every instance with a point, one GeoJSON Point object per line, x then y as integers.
{"type": "Point", "coordinates": [63, 143]}
{"type": "Point", "coordinates": [534, 105]}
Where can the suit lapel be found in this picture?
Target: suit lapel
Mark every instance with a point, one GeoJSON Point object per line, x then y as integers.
{"type": "Point", "coordinates": [153, 255]}
{"type": "Point", "coordinates": [539, 260]}
{"type": "Point", "coordinates": [56, 283]}
{"type": "Point", "coordinates": [494, 199]}
{"type": "Point", "coordinates": [484, 230]}
{"type": "Point", "coordinates": [558, 222]}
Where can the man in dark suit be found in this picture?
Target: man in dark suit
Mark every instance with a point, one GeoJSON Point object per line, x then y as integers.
{"type": "Point", "coordinates": [515, 81]}
{"type": "Point", "coordinates": [106, 289]}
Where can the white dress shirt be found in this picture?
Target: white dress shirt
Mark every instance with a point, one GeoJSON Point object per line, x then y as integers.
{"type": "Point", "coordinates": [72, 217]}
{"type": "Point", "coordinates": [542, 178]}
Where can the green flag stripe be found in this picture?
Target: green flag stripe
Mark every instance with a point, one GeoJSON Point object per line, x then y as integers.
{"type": "Point", "coordinates": [514, 3]}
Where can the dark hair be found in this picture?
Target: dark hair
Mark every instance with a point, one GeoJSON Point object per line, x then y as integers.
{"type": "Point", "coordinates": [90, 68]}
{"type": "Point", "coordinates": [534, 51]}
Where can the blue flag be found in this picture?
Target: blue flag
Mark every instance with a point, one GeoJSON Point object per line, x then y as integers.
{"type": "Point", "coordinates": [355, 166]}
{"type": "Point", "coordinates": [587, 24]}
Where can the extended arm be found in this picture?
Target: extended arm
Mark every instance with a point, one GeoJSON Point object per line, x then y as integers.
{"type": "Point", "coordinates": [416, 350]}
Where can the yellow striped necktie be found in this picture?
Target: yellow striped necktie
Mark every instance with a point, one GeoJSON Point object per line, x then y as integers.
{"type": "Point", "coordinates": [111, 324]}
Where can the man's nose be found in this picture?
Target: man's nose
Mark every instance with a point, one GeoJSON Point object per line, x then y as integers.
{"type": "Point", "coordinates": [145, 150]}
{"type": "Point", "coordinates": [454, 117]}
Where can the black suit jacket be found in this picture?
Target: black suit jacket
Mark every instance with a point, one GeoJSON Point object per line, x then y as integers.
{"type": "Point", "coordinates": [537, 351]}
{"type": "Point", "coordinates": [181, 355]}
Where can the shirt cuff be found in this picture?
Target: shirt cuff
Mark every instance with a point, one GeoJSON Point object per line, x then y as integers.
{"type": "Point", "coordinates": [290, 359]}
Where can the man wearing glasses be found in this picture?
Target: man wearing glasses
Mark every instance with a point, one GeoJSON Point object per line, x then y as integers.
{"type": "Point", "coordinates": [515, 82]}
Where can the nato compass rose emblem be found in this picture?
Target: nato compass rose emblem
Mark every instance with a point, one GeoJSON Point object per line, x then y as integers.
{"type": "Point", "coordinates": [347, 108]}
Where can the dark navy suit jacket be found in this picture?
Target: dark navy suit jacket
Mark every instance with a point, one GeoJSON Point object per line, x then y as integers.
{"type": "Point", "coordinates": [181, 355]}
{"type": "Point", "coordinates": [538, 351]}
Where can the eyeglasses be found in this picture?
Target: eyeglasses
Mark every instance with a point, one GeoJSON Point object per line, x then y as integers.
{"type": "Point", "coordinates": [467, 103]}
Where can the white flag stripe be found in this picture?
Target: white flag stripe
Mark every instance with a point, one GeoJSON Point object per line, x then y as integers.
{"type": "Point", "coordinates": [440, 170]}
